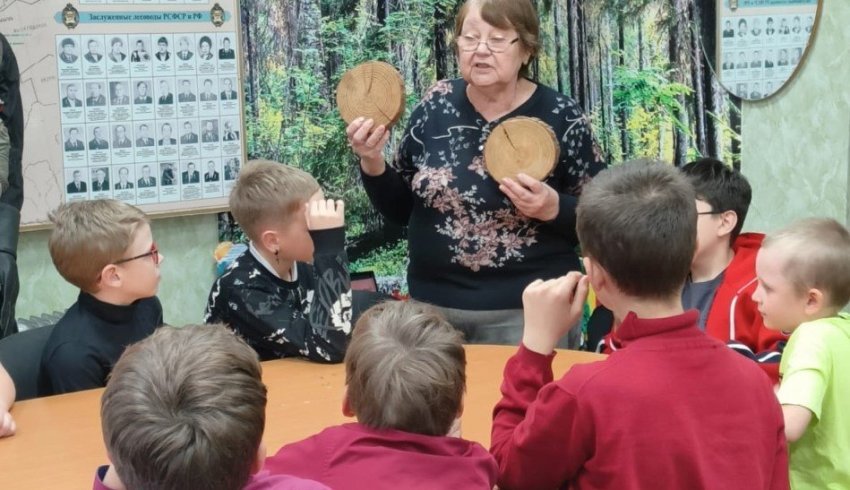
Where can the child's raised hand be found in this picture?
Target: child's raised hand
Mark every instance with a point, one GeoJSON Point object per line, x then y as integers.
{"type": "Point", "coordinates": [550, 309]}
{"type": "Point", "coordinates": [7, 424]}
{"type": "Point", "coordinates": [324, 214]}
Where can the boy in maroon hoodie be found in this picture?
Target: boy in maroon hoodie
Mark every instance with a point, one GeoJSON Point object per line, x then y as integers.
{"type": "Point", "coordinates": [651, 415]}
{"type": "Point", "coordinates": [405, 373]}
{"type": "Point", "coordinates": [723, 272]}
{"type": "Point", "coordinates": [185, 408]}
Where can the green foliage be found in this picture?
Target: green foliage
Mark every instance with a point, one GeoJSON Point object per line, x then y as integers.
{"type": "Point", "coordinates": [385, 261]}
{"type": "Point", "coordinates": [644, 133]}
{"type": "Point", "coordinates": [651, 100]}
{"type": "Point", "coordinates": [650, 89]}
{"type": "Point", "coordinates": [298, 122]}
{"type": "Point", "coordinates": [728, 134]}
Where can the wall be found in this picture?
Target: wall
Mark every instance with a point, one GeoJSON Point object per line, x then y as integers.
{"type": "Point", "coordinates": [796, 145]}
{"type": "Point", "coordinates": [187, 272]}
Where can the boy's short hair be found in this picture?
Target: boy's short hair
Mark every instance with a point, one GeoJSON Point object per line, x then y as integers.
{"type": "Point", "coordinates": [185, 408]}
{"type": "Point", "coordinates": [638, 221]}
{"type": "Point", "coordinates": [405, 369]}
{"type": "Point", "coordinates": [89, 235]}
{"type": "Point", "coordinates": [269, 190]}
{"type": "Point", "coordinates": [817, 255]}
{"type": "Point", "coordinates": [722, 187]}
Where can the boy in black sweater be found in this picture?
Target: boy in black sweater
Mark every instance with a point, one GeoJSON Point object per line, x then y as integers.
{"type": "Point", "coordinates": [272, 295]}
{"type": "Point", "coordinates": [104, 247]}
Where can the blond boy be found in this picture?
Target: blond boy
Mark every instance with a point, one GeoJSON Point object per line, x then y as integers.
{"type": "Point", "coordinates": [185, 408]}
{"type": "Point", "coordinates": [272, 295]}
{"type": "Point", "coordinates": [105, 248]}
{"type": "Point", "coordinates": [804, 282]}
{"type": "Point", "coordinates": [405, 374]}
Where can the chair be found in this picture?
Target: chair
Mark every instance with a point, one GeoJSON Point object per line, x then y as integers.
{"type": "Point", "coordinates": [364, 293]}
{"type": "Point", "coordinates": [20, 355]}
{"type": "Point", "coordinates": [364, 281]}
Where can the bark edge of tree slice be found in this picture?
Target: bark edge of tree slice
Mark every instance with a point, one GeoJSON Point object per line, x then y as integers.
{"type": "Point", "coordinates": [374, 90]}
{"type": "Point", "coordinates": [521, 145]}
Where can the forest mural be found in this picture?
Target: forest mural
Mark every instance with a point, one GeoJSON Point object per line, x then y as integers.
{"type": "Point", "coordinates": [637, 67]}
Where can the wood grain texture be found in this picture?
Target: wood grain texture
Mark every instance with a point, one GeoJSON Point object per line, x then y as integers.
{"type": "Point", "coordinates": [521, 145]}
{"type": "Point", "coordinates": [374, 90]}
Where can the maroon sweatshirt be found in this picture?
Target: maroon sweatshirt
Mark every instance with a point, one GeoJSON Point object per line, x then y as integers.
{"type": "Point", "coordinates": [354, 457]}
{"type": "Point", "coordinates": [673, 408]}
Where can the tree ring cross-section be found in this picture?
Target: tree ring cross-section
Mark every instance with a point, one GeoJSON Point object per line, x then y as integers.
{"type": "Point", "coordinates": [521, 145]}
{"type": "Point", "coordinates": [373, 90]}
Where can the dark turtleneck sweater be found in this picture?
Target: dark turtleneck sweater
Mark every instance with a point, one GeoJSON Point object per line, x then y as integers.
{"type": "Point", "coordinates": [88, 340]}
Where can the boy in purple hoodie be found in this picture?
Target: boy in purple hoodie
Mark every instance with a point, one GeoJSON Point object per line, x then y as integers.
{"type": "Point", "coordinates": [405, 372]}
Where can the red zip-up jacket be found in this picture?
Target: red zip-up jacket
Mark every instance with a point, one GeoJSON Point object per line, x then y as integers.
{"type": "Point", "coordinates": [734, 317]}
{"type": "Point", "coordinates": [650, 416]}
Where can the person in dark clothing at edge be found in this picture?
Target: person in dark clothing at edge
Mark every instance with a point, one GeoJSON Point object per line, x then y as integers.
{"type": "Point", "coordinates": [11, 183]}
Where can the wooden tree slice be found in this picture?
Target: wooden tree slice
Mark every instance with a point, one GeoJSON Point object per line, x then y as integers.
{"type": "Point", "coordinates": [521, 145]}
{"type": "Point", "coordinates": [374, 90]}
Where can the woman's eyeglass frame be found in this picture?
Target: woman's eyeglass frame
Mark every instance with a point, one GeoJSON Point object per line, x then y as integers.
{"type": "Point", "coordinates": [469, 43]}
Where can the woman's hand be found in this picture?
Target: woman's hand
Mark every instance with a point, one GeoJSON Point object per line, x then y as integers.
{"type": "Point", "coordinates": [531, 197]}
{"type": "Point", "coordinates": [368, 144]}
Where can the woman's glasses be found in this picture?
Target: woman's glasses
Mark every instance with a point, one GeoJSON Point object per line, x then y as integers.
{"type": "Point", "coordinates": [494, 44]}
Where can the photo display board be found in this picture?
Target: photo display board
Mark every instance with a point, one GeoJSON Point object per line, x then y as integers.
{"type": "Point", "coordinates": [762, 42]}
{"type": "Point", "coordinates": [140, 101]}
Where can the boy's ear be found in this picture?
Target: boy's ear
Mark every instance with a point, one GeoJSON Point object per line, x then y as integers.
{"type": "Point", "coordinates": [109, 276]}
{"type": "Point", "coordinates": [728, 221]}
{"type": "Point", "coordinates": [815, 301]}
{"type": "Point", "coordinates": [346, 404]}
{"type": "Point", "coordinates": [259, 458]}
{"type": "Point", "coordinates": [595, 273]}
{"type": "Point", "coordinates": [270, 240]}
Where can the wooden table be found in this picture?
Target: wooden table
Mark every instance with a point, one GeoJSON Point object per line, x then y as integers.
{"type": "Point", "coordinates": [59, 443]}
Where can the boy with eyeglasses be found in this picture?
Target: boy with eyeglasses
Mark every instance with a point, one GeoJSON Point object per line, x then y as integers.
{"type": "Point", "coordinates": [105, 248]}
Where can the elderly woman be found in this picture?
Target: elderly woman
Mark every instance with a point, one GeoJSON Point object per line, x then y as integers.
{"type": "Point", "coordinates": [475, 243]}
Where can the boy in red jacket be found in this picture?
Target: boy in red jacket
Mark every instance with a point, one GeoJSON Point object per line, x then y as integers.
{"type": "Point", "coordinates": [651, 415]}
{"type": "Point", "coordinates": [723, 272]}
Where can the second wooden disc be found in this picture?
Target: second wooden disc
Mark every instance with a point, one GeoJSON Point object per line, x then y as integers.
{"type": "Point", "coordinates": [521, 145]}
{"type": "Point", "coordinates": [373, 90]}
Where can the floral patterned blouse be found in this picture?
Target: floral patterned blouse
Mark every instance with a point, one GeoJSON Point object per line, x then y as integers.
{"type": "Point", "coordinates": [469, 246]}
